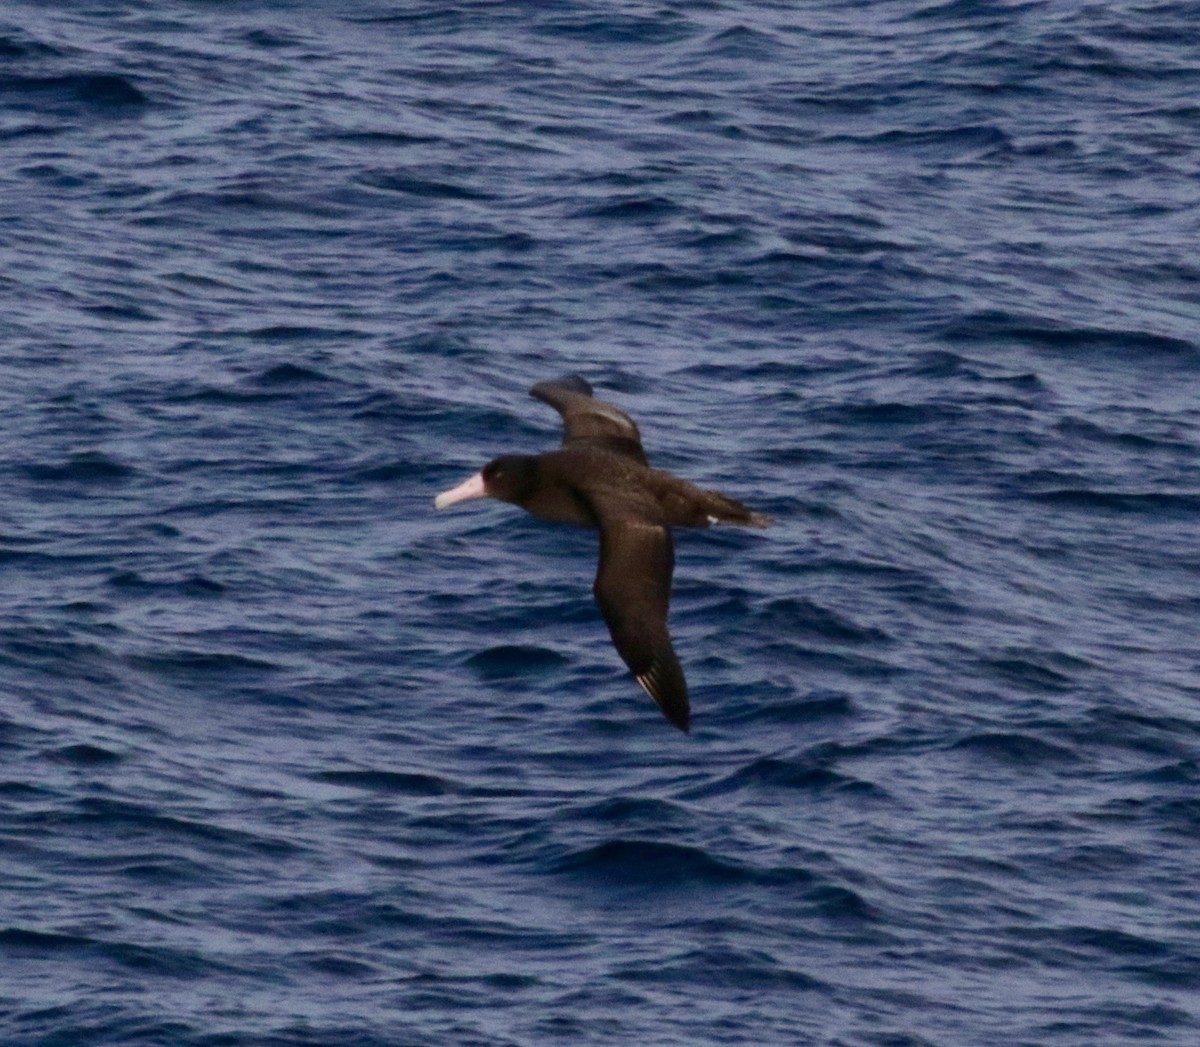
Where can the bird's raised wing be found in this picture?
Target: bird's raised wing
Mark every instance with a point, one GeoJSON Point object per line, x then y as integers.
{"type": "Point", "coordinates": [588, 422]}
{"type": "Point", "coordinates": [633, 589]}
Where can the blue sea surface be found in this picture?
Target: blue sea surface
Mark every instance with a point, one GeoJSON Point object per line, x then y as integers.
{"type": "Point", "coordinates": [287, 758]}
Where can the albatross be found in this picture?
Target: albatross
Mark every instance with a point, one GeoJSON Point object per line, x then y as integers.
{"type": "Point", "coordinates": [601, 478]}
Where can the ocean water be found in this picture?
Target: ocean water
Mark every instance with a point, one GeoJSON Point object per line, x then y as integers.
{"type": "Point", "coordinates": [288, 758]}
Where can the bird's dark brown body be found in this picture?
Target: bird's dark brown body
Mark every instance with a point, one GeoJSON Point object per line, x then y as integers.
{"type": "Point", "coordinates": [566, 484]}
{"type": "Point", "coordinates": [601, 478]}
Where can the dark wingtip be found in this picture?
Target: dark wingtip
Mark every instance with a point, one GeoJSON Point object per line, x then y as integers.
{"type": "Point", "coordinates": [571, 382]}
{"type": "Point", "coordinates": [665, 684]}
{"type": "Point", "coordinates": [677, 714]}
{"type": "Point", "coordinates": [574, 381]}
{"type": "Point", "coordinates": [681, 719]}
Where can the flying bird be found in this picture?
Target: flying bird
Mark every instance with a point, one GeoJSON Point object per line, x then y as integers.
{"type": "Point", "coordinates": [600, 478]}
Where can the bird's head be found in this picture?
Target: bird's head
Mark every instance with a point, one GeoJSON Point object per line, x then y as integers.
{"type": "Point", "coordinates": [509, 479]}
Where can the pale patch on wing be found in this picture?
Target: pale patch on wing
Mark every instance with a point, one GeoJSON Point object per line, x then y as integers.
{"type": "Point", "coordinates": [588, 421]}
{"type": "Point", "coordinates": [649, 682]}
{"type": "Point", "coordinates": [615, 414]}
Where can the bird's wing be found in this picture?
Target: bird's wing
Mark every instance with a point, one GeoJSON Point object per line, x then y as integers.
{"type": "Point", "coordinates": [633, 589]}
{"type": "Point", "coordinates": [588, 422]}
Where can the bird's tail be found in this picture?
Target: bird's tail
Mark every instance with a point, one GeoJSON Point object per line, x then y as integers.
{"type": "Point", "coordinates": [686, 505]}
{"type": "Point", "coordinates": [720, 508]}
